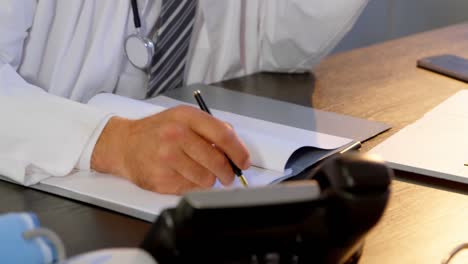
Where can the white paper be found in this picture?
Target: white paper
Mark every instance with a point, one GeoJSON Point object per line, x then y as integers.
{"type": "Point", "coordinates": [127, 197]}
{"type": "Point", "coordinates": [436, 145]}
{"type": "Point", "coordinates": [113, 189]}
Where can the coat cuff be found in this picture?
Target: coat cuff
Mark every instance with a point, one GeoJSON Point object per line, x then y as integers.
{"type": "Point", "coordinates": [84, 163]}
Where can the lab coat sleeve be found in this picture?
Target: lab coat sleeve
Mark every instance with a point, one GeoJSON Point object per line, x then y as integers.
{"type": "Point", "coordinates": [296, 34]}
{"type": "Point", "coordinates": [40, 134]}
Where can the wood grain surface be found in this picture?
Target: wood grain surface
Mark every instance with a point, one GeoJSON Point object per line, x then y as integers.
{"type": "Point", "coordinates": [425, 219]}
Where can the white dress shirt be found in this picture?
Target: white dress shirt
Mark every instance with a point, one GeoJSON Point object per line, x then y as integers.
{"type": "Point", "coordinates": [57, 54]}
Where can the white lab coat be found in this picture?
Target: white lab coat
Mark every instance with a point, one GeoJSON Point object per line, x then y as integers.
{"type": "Point", "coordinates": [55, 50]}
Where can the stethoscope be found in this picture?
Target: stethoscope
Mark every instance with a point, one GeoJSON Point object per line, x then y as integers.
{"type": "Point", "coordinates": [139, 49]}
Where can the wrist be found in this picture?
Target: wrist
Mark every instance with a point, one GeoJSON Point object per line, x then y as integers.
{"type": "Point", "coordinates": [108, 153]}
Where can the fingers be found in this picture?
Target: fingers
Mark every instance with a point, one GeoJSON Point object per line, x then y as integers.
{"type": "Point", "coordinates": [202, 152]}
{"type": "Point", "coordinates": [216, 132]}
{"type": "Point", "coordinates": [172, 152]}
{"type": "Point", "coordinates": [194, 172]}
{"type": "Point", "coordinates": [171, 183]}
{"type": "Point", "coordinates": [183, 186]}
{"type": "Point", "coordinates": [181, 149]}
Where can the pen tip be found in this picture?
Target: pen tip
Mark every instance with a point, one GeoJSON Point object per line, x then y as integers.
{"type": "Point", "coordinates": [244, 181]}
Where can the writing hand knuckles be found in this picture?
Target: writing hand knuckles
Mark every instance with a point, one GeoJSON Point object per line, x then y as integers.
{"type": "Point", "coordinates": [172, 132]}
{"type": "Point", "coordinates": [220, 163]}
{"type": "Point", "coordinates": [209, 180]}
{"type": "Point", "coordinates": [225, 137]}
{"type": "Point", "coordinates": [196, 177]}
{"type": "Point", "coordinates": [206, 179]}
{"type": "Point", "coordinates": [167, 155]}
{"type": "Point", "coordinates": [228, 125]}
{"type": "Point", "coordinates": [182, 187]}
{"type": "Point", "coordinates": [183, 111]}
{"type": "Point", "coordinates": [244, 161]}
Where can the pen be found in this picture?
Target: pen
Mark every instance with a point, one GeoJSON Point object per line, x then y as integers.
{"type": "Point", "coordinates": [235, 169]}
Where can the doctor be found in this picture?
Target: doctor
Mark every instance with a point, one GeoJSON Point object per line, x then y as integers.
{"type": "Point", "coordinates": [57, 54]}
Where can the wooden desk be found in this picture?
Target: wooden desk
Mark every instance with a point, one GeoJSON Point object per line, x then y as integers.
{"type": "Point", "coordinates": [382, 83]}
{"type": "Point", "coordinates": [425, 218]}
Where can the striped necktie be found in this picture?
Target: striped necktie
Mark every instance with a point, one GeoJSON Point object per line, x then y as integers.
{"type": "Point", "coordinates": [172, 44]}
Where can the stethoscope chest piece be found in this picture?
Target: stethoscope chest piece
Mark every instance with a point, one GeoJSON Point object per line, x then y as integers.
{"type": "Point", "coordinates": [139, 50]}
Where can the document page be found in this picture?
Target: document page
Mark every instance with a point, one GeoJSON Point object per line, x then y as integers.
{"type": "Point", "coordinates": [436, 145]}
{"type": "Point", "coordinates": [123, 196]}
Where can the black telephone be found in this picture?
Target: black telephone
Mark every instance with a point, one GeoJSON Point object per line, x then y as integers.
{"type": "Point", "coordinates": [320, 220]}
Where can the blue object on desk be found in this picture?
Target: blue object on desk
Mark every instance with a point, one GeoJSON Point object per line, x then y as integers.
{"type": "Point", "coordinates": [15, 248]}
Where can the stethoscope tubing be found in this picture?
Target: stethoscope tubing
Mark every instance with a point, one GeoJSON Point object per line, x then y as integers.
{"type": "Point", "coordinates": [146, 46]}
